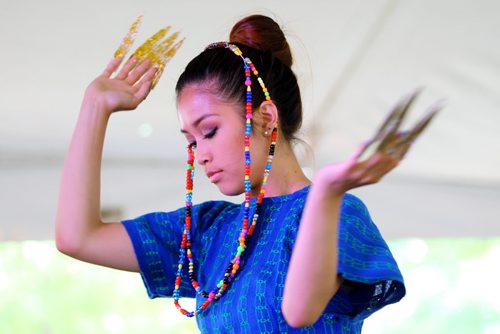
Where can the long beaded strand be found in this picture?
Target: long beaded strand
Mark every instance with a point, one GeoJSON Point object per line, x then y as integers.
{"type": "Point", "coordinates": [247, 231]}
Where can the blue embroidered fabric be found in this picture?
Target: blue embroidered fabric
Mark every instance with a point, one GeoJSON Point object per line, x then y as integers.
{"type": "Point", "coordinates": [253, 302]}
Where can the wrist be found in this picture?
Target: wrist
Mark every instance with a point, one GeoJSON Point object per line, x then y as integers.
{"type": "Point", "coordinates": [327, 186]}
{"type": "Point", "coordinates": [326, 189]}
{"type": "Point", "coordinates": [93, 105]}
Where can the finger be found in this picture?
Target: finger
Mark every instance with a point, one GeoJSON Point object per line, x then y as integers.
{"type": "Point", "coordinates": [148, 76]}
{"type": "Point", "coordinates": [157, 75]}
{"type": "Point", "coordinates": [143, 91]}
{"type": "Point", "coordinates": [401, 151]}
{"type": "Point", "coordinates": [362, 151]}
{"type": "Point", "coordinates": [393, 143]}
{"type": "Point", "coordinates": [370, 148]}
{"type": "Point", "coordinates": [112, 66]}
{"type": "Point", "coordinates": [138, 72]}
{"type": "Point", "coordinates": [376, 170]}
{"type": "Point", "coordinates": [129, 66]}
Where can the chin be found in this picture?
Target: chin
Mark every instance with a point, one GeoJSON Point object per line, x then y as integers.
{"type": "Point", "coordinates": [230, 190]}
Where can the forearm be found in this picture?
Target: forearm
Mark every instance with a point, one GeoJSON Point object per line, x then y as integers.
{"type": "Point", "coordinates": [312, 278]}
{"type": "Point", "coordinates": [79, 199]}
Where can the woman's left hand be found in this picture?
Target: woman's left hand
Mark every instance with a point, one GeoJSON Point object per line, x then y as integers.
{"type": "Point", "coordinates": [353, 173]}
{"type": "Point", "coordinates": [389, 145]}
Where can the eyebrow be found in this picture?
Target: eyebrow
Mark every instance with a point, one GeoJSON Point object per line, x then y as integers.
{"type": "Point", "coordinates": [198, 121]}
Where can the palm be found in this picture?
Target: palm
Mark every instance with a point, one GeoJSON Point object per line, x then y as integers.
{"type": "Point", "coordinates": [127, 89]}
{"type": "Point", "coordinates": [354, 173]}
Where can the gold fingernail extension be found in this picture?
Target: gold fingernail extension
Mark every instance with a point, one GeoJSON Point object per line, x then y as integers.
{"type": "Point", "coordinates": [159, 51]}
{"type": "Point", "coordinates": [166, 53]}
{"type": "Point", "coordinates": [392, 123]}
{"type": "Point", "coordinates": [158, 48]}
{"type": "Point", "coordinates": [129, 38]}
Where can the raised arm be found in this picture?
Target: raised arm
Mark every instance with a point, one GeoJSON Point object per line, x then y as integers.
{"type": "Point", "coordinates": [80, 233]}
{"type": "Point", "coordinates": [312, 278]}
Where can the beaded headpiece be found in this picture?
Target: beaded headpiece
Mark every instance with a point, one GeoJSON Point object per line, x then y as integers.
{"type": "Point", "coordinates": [247, 230]}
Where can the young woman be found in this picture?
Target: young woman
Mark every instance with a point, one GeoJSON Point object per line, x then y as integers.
{"type": "Point", "coordinates": [296, 256]}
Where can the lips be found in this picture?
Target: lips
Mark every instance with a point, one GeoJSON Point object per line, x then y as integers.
{"type": "Point", "coordinates": [214, 176]}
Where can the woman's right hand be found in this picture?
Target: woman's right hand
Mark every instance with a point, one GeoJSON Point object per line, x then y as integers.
{"type": "Point", "coordinates": [125, 90]}
{"type": "Point", "coordinates": [80, 231]}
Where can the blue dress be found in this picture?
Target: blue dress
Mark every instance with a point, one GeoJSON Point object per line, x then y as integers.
{"type": "Point", "coordinates": [252, 304]}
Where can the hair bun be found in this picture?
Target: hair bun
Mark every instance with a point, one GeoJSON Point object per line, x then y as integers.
{"type": "Point", "coordinates": [262, 33]}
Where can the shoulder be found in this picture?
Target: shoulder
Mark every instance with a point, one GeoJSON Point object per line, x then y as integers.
{"type": "Point", "coordinates": [202, 213]}
{"type": "Point", "coordinates": [355, 217]}
{"type": "Point", "coordinates": [352, 205]}
{"type": "Point", "coordinates": [356, 224]}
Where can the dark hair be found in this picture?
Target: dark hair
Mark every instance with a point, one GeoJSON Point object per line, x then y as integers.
{"type": "Point", "coordinates": [261, 39]}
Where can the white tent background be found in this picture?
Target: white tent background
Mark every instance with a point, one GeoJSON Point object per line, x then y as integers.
{"type": "Point", "coordinates": [353, 60]}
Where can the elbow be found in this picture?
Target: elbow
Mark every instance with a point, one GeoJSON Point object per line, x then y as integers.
{"type": "Point", "coordinates": [298, 316]}
{"type": "Point", "coordinates": [67, 242]}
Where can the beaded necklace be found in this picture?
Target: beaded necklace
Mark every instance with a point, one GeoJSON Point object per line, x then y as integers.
{"type": "Point", "coordinates": [246, 231]}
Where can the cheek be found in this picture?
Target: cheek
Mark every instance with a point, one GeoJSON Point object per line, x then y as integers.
{"type": "Point", "coordinates": [233, 153]}
{"type": "Point", "coordinates": [231, 146]}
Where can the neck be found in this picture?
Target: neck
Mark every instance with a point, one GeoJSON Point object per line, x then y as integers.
{"type": "Point", "coordinates": [286, 175]}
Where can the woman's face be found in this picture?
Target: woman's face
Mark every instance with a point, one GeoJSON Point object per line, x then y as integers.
{"type": "Point", "coordinates": [217, 128]}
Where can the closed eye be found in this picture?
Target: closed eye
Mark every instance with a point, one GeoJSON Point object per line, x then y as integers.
{"type": "Point", "coordinates": [211, 133]}
{"type": "Point", "coordinates": [207, 136]}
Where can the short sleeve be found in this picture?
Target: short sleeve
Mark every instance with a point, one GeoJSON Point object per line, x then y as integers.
{"type": "Point", "coordinates": [371, 275]}
{"type": "Point", "coordinates": [156, 239]}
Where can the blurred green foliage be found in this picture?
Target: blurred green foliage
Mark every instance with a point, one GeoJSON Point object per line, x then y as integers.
{"type": "Point", "coordinates": [451, 288]}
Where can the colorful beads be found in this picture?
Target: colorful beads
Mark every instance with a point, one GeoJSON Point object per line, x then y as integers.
{"type": "Point", "coordinates": [246, 231]}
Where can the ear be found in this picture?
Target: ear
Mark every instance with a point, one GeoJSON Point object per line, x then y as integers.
{"type": "Point", "coordinates": [267, 117]}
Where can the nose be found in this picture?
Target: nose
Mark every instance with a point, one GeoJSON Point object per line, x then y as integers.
{"type": "Point", "coordinates": [202, 154]}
